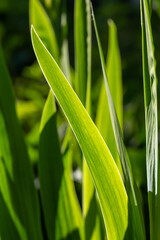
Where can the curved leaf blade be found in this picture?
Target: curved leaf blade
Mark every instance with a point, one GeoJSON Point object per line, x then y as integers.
{"type": "Point", "coordinates": [108, 182]}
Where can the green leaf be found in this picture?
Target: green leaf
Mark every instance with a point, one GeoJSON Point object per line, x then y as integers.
{"type": "Point", "coordinates": [135, 217]}
{"type": "Point", "coordinates": [115, 84]}
{"type": "Point", "coordinates": [109, 185]}
{"type": "Point", "coordinates": [80, 49]}
{"type": "Point", "coordinates": [23, 193]}
{"type": "Point", "coordinates": [62, 213]}
{"type": "Point", "coordinates": [90, 208]}
{"type": "Point", "coordinates": [151, 120]}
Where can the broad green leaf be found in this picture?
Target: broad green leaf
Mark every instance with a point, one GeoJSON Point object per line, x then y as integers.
{"type": "Point", "coordinates": [108, 182]}
{"type": "Point", "coordinates": [80, 49]}
{"type": "Point", "coordinates": [23, 193]}
{"type": "Point", "coordinates": [43, 26]}
{"type": "Point", "coordinates": [151, 120]}
{"type": "Point", "coordinates": [61, 210]}
{"type": "Point", "coordinates": [90, 208]}
{"type": "Point", "coordinates": [103, 119]}
{"type": "Point", "coordinates": [135, 217]}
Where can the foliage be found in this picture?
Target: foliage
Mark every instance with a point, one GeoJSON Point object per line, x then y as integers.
{"type": "Point", "coordinates": [44, 203]}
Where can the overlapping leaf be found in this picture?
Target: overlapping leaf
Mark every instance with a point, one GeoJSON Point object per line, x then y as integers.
{"type": "Point", "coordinates": [109, 185]}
